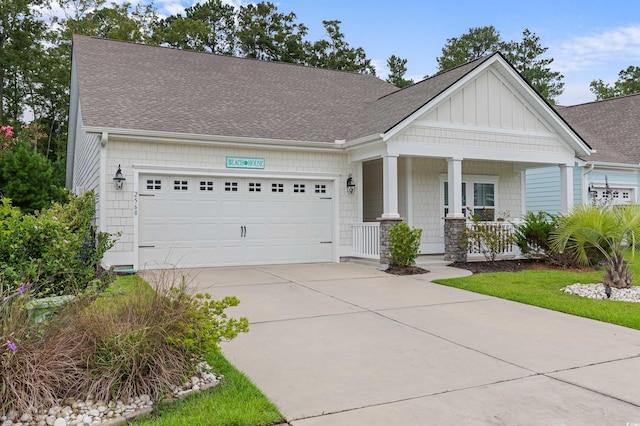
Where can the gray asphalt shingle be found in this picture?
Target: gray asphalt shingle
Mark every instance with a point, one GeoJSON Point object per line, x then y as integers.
{"type": "Point", "coordinates": [130, 86]}
{"type": "Point", "coordinates": [611, 127]}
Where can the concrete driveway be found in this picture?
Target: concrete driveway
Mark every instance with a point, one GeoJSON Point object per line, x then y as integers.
{"type": "Point", "coordinates": [346, 344]}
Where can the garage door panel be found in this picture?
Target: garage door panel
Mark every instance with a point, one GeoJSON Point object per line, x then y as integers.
{"type": "Point", "coordinates": [255, 221]}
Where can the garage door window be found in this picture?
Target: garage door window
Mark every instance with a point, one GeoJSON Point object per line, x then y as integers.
{"type": "Point", "coordinates": [180, 185]}
{"type": "Point", "coordinates": [255, 187]}
{"type": "Point", "coordinates": [206, 185]}
{"type": "Point", "coordinates": [321, 189]}
{"type": "Point", "coordinates": [231, 187]}
{"type": "Point", "coordinates": [298, 188]}
{"type": "Point", "coordinates": [154, 184]}
{"type": "Point", "coordinates": [277, 187]}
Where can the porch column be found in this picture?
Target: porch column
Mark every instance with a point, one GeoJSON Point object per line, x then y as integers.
{"type": "Point", "coordinates": [390, 186]}
{"type": "Point", "coordinates": [454, 178]}
{"type": "Point", "coordinates": [455, 244]}
{"type": "Point", "coordinates": [566, 188]}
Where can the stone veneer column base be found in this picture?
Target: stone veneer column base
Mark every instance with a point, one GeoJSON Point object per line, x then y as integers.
{"type": "Point", "coordinates": [455, 245]}
{"type": "Point", "coordinates": [385, 245]}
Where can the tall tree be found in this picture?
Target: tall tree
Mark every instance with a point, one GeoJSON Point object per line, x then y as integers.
{"type": "Point", "coordinates": [117, 21]}
{"type": "Point", "coordinates": [477, 42]}
{"type": "Point", "coordinates": [264, 33]}
{"type": "Point", "coordinates": [397, 69]}
{"type": "Point", "coordinates": [206, 27]}
{"type": "Point", "coordinates": [21, 34]}
{"type": "Point", "coordinates": [335, 53]}
{"type": "Point", "coordinates": [525, 57]}
{"type": "Point", "coordinates": [628, 83]}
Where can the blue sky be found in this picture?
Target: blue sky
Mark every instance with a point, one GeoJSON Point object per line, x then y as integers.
{"type": "Point", "coordinates": [588, 39]}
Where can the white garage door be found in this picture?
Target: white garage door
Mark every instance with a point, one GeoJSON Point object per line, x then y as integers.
{"type": "Point", "coordinates": [220, 221]}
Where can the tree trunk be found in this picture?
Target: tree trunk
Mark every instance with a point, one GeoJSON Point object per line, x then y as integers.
{"type": "Point", "coordinates": [617, 273]}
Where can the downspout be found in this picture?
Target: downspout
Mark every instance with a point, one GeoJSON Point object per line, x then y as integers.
{"type": "Point", "coordinates": [102, 195]}
{"type": "Point", "coordinates": [584, 182]}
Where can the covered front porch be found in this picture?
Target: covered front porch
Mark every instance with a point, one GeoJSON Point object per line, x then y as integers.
{"type": "Point", "coordinates": [462, 150]}
{"type": "Point", "coordinates": [416, 190]}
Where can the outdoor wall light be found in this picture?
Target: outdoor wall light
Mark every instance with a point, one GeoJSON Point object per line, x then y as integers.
{"type": "Point", "coordinates": [350, 184]}
{"type": "Point", "coordinates": [118, 179]}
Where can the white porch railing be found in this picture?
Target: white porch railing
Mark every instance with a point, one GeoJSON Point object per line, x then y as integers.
{"type": "Point", "coordinates": [506, 246]}
{"type": "Point", "coordinates": [365, 240]}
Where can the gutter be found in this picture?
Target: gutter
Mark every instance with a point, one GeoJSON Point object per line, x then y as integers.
{"type": "Point", "coordinates": [198, 139]}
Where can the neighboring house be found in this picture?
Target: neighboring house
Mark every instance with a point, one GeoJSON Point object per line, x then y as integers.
{"type": "Point", "coordinates": [232, 161]}
{"type": "Point", "coordinates": [612, 128]}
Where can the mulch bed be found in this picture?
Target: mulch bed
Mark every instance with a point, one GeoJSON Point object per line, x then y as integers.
{"type": "Point", "coordinates": [513, 265]}
{"type": "Point", "coordinates": [405, 270]}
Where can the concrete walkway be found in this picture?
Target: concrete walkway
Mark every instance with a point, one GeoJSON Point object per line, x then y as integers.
{"type": "Point", "coordinates": [347, 344]}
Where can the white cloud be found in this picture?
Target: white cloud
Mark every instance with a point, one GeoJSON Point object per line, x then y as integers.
{"type": "Point", "coordinates": [580, 52]}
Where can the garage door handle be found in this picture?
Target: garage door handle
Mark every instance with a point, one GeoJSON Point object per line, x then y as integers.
{"type": "Point", "coordinates": [243, 231]}
{"type": "Point", "coordinates": [146, 246]}
{"type": "Point", "coordinates": [326, 242]}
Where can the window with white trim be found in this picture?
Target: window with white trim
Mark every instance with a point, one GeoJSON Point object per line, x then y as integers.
{"type": "Point", "coordinates": [277, 187]}
{"type": "Point", "coordinates": [255, 187]}
{"type": "Point", "coordinates": [299, 188]}
{"type": "Point", "coordinates": [478, 197]}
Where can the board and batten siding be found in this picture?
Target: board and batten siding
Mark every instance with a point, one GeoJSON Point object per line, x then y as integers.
{"type": "Point", "coordinates": [487, 102]}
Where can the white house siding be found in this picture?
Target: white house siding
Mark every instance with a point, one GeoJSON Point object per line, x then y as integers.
{"type": "Point", "coordinates": [213, 159]}
{"type": "Point", "coordinates": [463, 139]}
{"type": "Point", "coordinates": [372, 199]}
{"type": "Point", "coordinates": [86, 168]}
{"type": "Point", "coordinates": [428, 196]}
{"type": "Point", "coordinates": [487, 101]}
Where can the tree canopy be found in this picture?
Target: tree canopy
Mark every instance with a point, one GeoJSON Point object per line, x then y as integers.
{"type": "Point", "coordinates": [524, 55]}
{"type": "Point", "coordinates": [628, 83]}
{"type": "Point", "coordinates": [397, 69]}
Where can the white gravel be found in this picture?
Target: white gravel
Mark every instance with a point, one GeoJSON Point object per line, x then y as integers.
{"type": "Point", "coordinates": [78, 412]}
{"type": "Point", "coordinates": [596, 291]}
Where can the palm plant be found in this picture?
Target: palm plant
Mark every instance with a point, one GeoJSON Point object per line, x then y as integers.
{"type": "Point", "coordinates": [610, 232]}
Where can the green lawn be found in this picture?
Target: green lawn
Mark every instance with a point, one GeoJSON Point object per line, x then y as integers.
{"type": "Point", "coordinates": [542, 288]}
{"type": "Point", "coordinates": [236, 401]}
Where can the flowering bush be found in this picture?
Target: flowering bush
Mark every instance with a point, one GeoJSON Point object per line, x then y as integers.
{"type": "Point", "coordinates": [6, 137]}
{"type": "Point", "coordinates": [56, 250]}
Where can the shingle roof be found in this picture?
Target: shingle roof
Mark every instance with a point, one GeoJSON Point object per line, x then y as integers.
{"type": "Point", "coordinates": [383, 114]}
{"type": "Point", "coordinates": [129, 86]}
{"type": "Point", "coordinates": [611, 127]}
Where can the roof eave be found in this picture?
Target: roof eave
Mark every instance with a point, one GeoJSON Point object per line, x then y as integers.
{"type": "Point", "coordinates": [198, 139]}
{"type": "Point", "coordinates": [611, 165]}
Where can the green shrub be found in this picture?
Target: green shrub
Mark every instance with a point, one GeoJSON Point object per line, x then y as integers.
{"type": "Point", "coordinates": [532, 235]}
{"type": "Point", "coordinates": [490, 239]}
{"type": "Point", "coordinates": [405, 244]}
{"type": "Point", "coordinates": [147, 344]}
{"type": "Point", "coordinates": [26, 177]}
{"type": "Point", "coordinates": [56, 250]}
